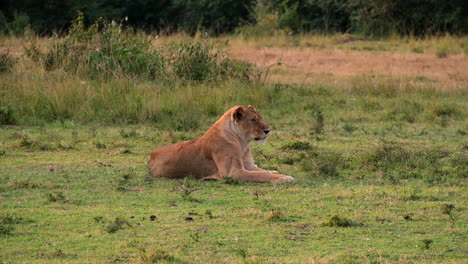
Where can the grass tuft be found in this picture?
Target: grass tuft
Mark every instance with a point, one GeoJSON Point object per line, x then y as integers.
{"type": "Point", "coordinates": [338, 221]}
{"type": "Point", "coordinates": [158, 256]}
{"type": "Point", "coordinates": [118, 224]}
{"type": "Point", "coordinates": [275, 215]}
{"type": "Point", "coordinates": [58, 197]}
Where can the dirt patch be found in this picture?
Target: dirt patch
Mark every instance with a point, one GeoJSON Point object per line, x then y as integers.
{"type": "Point", "coordinates": [298, 63]}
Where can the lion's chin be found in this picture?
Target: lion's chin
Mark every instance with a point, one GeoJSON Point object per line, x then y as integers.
{"type": "Point", "coordinates": [260, 140]}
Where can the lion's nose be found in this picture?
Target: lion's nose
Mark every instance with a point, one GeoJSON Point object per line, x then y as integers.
{"type": "Point", "coordinates": [266, 131]}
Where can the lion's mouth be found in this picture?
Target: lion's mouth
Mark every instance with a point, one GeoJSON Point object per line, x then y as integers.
{"type": "Point", "coordinates": [260, 138]}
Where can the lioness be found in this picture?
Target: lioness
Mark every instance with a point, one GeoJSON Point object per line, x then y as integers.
{"type": "Point", "coordinates": [223, 151]}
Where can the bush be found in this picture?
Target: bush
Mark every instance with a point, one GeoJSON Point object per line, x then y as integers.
{"type": "Point", "coordinates": [199, 61]}
{"type": "Point", "coordinates": [7, 224]}
{"type": "Point", "coordinates": [17, 26]}
{"type": "Point", "coordinates": [106, 50]}
{"type": "Point", "coordinates": [6, 62]}
{"type": "Point", "coordinates": [102, 50]}
{"type": "Point", "coordinates": [7, 116]}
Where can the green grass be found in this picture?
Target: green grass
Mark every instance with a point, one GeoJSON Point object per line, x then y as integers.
{"type": "Point", "coordinates": [375, 194]}
{"type": "Point", "coordinates": [380, 168]}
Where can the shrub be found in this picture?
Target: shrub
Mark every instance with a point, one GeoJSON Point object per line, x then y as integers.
{"type": "Point", "coordinates": [349, 128]}
{"type": "Point", "coordinates": [446, 110]}
{"type": "Point", "coordinates": [442, 52]}
{"type": "Point", "coordinates": [108, 49]}
{"type": "Point", "coordinates": [102, 50]}
{"type": "Point", "coordinates": [7, 116]}
{"type": "Point", "coordinates": [6, 62]}
{"type": "Point", "coordinates": [7, 224]}
{"type": "Point", "coordinates": [199, 61]}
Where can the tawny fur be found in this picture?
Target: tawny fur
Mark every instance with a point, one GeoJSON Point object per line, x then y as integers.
{"type": "Point", "coordinates": [223, 151]}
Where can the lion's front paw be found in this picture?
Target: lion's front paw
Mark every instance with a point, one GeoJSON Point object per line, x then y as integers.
{"type": "Point", "coordinates": [285, 179]}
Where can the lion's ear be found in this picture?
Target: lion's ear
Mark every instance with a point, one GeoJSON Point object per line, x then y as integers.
{"type": "Point", "coordinates": [238, 113]}
{"type": "Point", "coordinates": [251, 108]}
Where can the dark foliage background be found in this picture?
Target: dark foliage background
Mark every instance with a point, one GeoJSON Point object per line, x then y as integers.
{"type": "Point", "coordinates": [369, 17]}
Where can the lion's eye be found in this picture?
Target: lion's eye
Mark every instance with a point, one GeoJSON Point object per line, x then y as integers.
{"type": "Point", "coordinates": [253, 119]}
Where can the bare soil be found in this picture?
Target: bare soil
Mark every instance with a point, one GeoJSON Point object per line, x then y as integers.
{"type": "Point", "coordinates": [302, 63]}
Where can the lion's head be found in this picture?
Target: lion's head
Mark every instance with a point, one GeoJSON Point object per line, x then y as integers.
{"type": "Point", "coordinates": [250, 123]}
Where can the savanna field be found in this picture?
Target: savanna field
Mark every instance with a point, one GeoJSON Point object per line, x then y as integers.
{"type": "Point", "coordinates": [374, 132]}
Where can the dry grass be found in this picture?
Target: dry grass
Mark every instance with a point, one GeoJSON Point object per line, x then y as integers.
{"type": "Point", "coordinates": [297, 65]}
{"type": "Point", "coordinates": [331, 60]}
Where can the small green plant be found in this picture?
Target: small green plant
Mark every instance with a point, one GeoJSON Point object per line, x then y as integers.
{"type": "Point", "coordinates": [186, 193]}
{"type": "Point", "coordinates": [230, 181]}
{"type": "Point", "coordinates": [128, 134]}
{"type": "Point", "coordinates": [58, 197]}
{"type": "Point", "coordinates": [62, 144]}
{"type": "Point", "coordinates": [349, 128]}
{"type": "Point", "coordinates": [299, 145]}
{"type": "Point", "coordinates": [446, 110]}
{"type": "Point", "coordinates": [7, 224]}
{"type": "Point", "coordinates": [209, 214]}
{"type": "Point", "coordinates": [100, 145]}
{"type": "Point", "coordinates": [338, 221]}
{"type": "Point", "coordinates": [447, 209]}
{"type": "Point", "coordinates": [426, 243]}
{"type": "Point", "coordinates": [418, 50]}
{"type": "Point", "coordinates": [99, 219]}
{"type": "Point", "coordinates": [257, 193]}
{"type": "Point", "coordinates": [118, 224]}
{"type": "Point", "coordinates": [124, 181]}
{"type": "Point", "coordinates": [6, 229]}
{"type": "Point", "coordinates": [242, 252]}
{"type": "Point", "coordinates": [408, 217]}
{"type": "Point", "coordinates": [25, 141]}
{"type": "Point", "coordinates": [319, 120]}
{"type": "Point", "coordinates": [195, 237]}
{"type": "Point", "coordinates": [442, 52]}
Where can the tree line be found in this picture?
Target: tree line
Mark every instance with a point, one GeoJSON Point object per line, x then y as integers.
{"type": "Point", "coordinates": [369, 17]}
